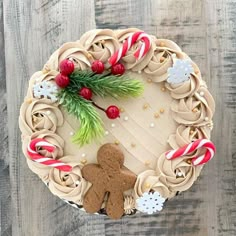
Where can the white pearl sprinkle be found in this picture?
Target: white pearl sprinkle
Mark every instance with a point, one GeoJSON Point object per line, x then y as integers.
{"type": "Point", "coordinates": [48, 112]}
{"type": "Point", "coordinates": [70, 59]}
{"type": "Point", "coordinates": [139, 71]}
{"type": "Point", "coordinates": [206, 118]}
{"type": "Point", "coordinates": [106, 132]}
{"type": "Point", "coordinates": [201, 93]}
{"type": "Point", "coordinates": [179, 174]}
{"type": "Point", "coordinates": [83, 155]}
{"type": "Point", "coordinates": [126, 118]}
{"type": "Point", "coordinates": [71, 133]}
{"type": "Point", "coordinates": [152, 125]}
{"type": "Point", "coordinates": [113, 125]}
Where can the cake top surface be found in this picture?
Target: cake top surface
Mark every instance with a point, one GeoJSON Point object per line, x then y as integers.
{"type": "Point", "coordinates": [159, 103]}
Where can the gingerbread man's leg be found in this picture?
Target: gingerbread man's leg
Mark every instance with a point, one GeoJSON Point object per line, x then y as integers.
{"type": "Point", "coordinates": [115, 205]}
{"type": "Point", "coordinates": [93, 199]}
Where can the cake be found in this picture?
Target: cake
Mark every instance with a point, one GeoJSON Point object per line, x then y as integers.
{"type": "Point", "coordinates": [117, 122]}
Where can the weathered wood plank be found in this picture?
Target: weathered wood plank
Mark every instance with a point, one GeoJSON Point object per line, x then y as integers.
{"type": "Point", "coordinates": [33, 29]}
{"type": "Point", "coordinates": [5, 194]}
{"type": "Point", "coordinates": [206, 31]}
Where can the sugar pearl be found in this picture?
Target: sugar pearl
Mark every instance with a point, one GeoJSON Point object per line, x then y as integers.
{"type": "Point", "coordinates": [48, 112]}
{"type": "Point", "coordinates": [147, 185]}
{"type": "Point", "coordinates": [162, 110]}
{"type": "Point", "coordinates": [122, 109]}
{"type": "Point", "coordinates": [152, 125]}
{"type": "Point", "coordinates": [83, 155]}
{"type": "Point", "coordinates": [139, 71]}
{"type": "Point", "coordinates": [117, 142]}
{"type": "Point", "coordinates": [84, 161]}
{"type": "Point", "coordinates": [156, 115]}
{"type": "Point", "coordinates": [149, 80]}
{"type": "Point", "coordinates": [71, 133]}
{"type": "Point", "coordinates": [106, 132]}
{"type": "Point", "coordinates": [147, 163]}
{"type": "Point", "coordinates": [179, 174]}
{"type": "Point", "coordinates": [145, 106]}
{"type": "Point", "coordinates": [113, 125]}
{"type": "Point", "coordinates": [126, 118]}
{"type": "Point", "coordinates": [163, 89]}
{"type": "Point", "coordinates": [133, 145]}
{"type": "Point", "coordinates": [206, 119]}
{"type": "Point", "coordinates": [201, 93]}
{"type": "Point", "coordinates": [77, 182]}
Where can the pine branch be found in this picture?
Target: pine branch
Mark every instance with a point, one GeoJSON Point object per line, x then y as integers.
{"type": "Point", "coordinates": [105, 84]}
{"type": "Point", "coordinates": [91, 126]}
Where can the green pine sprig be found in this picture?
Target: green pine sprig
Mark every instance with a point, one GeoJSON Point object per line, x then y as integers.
{"type": "Point", "coordinates": [106, 84]}
{"type": "Point", "coordinates": [91, 125]}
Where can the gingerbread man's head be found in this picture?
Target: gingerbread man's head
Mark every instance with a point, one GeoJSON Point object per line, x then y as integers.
{"type": "Point", "coordinates": [110, 157]}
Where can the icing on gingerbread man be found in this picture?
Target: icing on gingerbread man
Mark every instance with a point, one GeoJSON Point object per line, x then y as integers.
{"type": "Point", "coordinates": [107, 177]}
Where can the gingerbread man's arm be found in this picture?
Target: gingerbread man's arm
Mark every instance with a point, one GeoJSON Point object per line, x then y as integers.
{"type": "Point", "coordinates": [90, 172]}
{"type": "Point", "coordinates": [128, 179]}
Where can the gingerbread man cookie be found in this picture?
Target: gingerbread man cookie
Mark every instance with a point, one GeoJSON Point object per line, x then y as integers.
{"type": "Point", "coordinates": [107, 177]}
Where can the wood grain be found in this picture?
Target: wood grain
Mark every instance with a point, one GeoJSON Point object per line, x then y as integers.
{"type": "Point", "coordinates": [205, 29]}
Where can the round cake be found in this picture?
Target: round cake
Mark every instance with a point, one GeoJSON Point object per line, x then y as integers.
{"type": "Point", "coordinates": [117, 122]}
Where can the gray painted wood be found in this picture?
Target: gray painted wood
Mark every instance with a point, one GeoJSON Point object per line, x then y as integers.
{"type": "Point", "coordinates": [34, 29]}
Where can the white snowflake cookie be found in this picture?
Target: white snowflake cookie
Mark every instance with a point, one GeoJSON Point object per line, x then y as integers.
{"type": "Point", "coordinates": [150, 202]}
{"type": "Point", "coordinates": [45, 89]}
{"type": "Point", "coordinates": [180, 72]}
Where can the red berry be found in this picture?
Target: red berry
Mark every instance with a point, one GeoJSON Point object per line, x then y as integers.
{"type": "Point", "coordinates": [66, 67]}
{"type": "Point", "coordinates": [118, 69]}
{"type": "Point", "coordinates": [62, 80]}
{"type": "Point", "coordinates": [113, 112]}
{"type": "Point", "coordinates": [97, 67]}
{"type": "Point", "coordinates": [86, 93]}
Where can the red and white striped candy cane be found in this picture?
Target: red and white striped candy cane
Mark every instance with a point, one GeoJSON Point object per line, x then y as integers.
{"type": "Point", "coordinates": [35, 156]}
{"type": "Point", "coordinates": [187, 149]}
{"type": "Point", "coordinates": [142, 50]}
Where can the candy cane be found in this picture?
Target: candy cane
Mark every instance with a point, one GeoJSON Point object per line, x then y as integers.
{"type": "Point", "coordinates": [187, 149]}
{"type": "Point", "coordinates": [142, 50]}
{"type": "Point", "coordinates": [35, 156]}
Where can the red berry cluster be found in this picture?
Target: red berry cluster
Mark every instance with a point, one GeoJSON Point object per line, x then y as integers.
{"type": "Point", "coordinates": [66, 68]}
{"type": "Point", "coordinates": [98, 67]}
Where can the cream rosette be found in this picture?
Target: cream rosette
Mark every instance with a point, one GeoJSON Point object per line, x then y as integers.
{"type": "Point", "coordinates": [100, 43]}
{"type": "Point", "coordinates": [39, 115]}
{"type": "Point", "coordinates": [188, 88]}
{"type": "Point", "coordinates": [196, 110]}
{"type": "Point", "coordinates": [178, 174]}
{"type": "Point", "coordinates": [186, 134]}
{"type": "Point", "coordinates": [54, 139]}
{"type": "Point", "coordinates": [69, 186]}
{"type": "Point", "coordinates": [70, 50]}
{"type": "Point", "coordinates": [149, 181]}
{"type": "Point", "coordinates": [162, 58]}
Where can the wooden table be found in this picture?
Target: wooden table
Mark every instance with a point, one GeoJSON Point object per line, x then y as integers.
{"type": "Point", "coordinates": [30, 30]}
